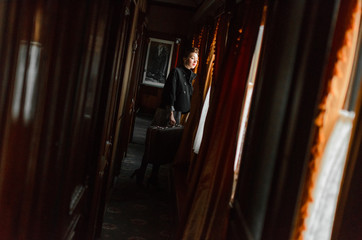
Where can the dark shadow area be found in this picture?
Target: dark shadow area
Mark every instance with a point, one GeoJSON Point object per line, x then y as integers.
{"type": "Point", "coordinates": [133, 211]}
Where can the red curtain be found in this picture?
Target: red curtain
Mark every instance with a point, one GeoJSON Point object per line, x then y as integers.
{"type": "Point", "coordinates": [185, 153]}
{"type": "Point", "coordinates": [190, 121]}
{"type": "Point", "coordinates": [205, 213]}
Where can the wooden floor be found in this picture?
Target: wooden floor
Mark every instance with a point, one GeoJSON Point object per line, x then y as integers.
{"type": "Point", "coordinates": [135, 212]}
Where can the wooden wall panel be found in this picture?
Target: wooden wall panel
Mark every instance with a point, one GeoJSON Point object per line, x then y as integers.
{"type": "Point", "coordinates": [118, 36]}
{"type": "Point", "coordinates": [120, 73]}
{"type": "Point", "coordinates": [149, 98]}
{"type": "Point", "coordinates": [52, 114]}
{"type": "Point", "coordinates": [132, 88]}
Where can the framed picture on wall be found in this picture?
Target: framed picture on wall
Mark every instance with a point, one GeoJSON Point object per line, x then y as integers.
{"type": "Point", "coordinates": [158, 62]}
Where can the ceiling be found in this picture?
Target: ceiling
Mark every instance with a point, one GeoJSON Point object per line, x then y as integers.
{"type": "Point", "coordinates": [192, 4]}
{"type": "Point", "coordinates": [200, 8]}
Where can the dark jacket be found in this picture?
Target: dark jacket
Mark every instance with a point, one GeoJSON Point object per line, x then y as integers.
{"type": "Point", "coordinates": [178, 89]}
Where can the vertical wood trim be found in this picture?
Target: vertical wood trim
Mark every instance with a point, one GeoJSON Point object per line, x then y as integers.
{"type": "Point", "coordinates": [125, 84]}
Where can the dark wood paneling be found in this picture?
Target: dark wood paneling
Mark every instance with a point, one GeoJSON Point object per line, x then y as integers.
{"type": "Point", "coordinates": [135, 78]}
{"type": "Point", "coordinates": [149, 98]}
{"type": "Point", "coordinates": [54, 91]}
{"type": "Point", "coordinates": [115, 65]}
{"type": "Point", "coordinates": [115, 161]}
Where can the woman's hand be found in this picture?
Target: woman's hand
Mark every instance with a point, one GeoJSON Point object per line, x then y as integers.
{"type": "Point", "coordinates": [172, 119]}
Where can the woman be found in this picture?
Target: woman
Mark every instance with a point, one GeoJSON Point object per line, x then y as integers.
{"type": "Point", "coordinates": [177, 92]}
{"type": "Point", "coordinates": [176, 100]}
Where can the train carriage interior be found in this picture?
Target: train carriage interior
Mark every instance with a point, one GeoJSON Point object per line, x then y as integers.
{"type": "Point", "coordinates": [270, 149]}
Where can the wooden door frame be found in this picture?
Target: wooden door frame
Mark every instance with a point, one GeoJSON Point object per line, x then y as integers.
{"type": "Point", "coordinates": [110, 94]}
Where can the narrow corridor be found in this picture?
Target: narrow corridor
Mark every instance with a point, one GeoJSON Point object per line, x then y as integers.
{"type": "Point", "coordinates": [134, 212]}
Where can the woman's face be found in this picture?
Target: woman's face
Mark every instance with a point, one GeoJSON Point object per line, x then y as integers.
{"type": "Point", "coordinates": [191, 61]}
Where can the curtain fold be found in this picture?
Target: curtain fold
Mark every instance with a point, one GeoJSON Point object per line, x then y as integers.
{"type": "Point", "coordinates": [332, 100]}
{"type": "Point", "coordinates": [200, 129]}
{"type": "Point", "coordinates": [185, 155]}
{"type": "Point", "coordinates": [184, 152]}
{"type": "Point", "coordinates": [206, 210]}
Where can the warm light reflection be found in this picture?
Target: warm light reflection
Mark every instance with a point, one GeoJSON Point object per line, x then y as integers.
{"type": "Point", "coordinates": [37, 24]}
{"type": "Point", "coordinates": [329, 155]}
{"type": "Point", "coordinates": [26, 76]}
{"type": "Point", "coordinates": [246, 107]}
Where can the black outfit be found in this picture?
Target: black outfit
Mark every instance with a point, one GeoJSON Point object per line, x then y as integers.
{"type": "Point", "coordinates": [178, 90]}
{"type": "Point", "coordinates": [176, 96]}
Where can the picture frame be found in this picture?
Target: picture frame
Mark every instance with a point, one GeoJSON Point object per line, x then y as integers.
{"type": "Point", "coordinates": [158, 62]}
